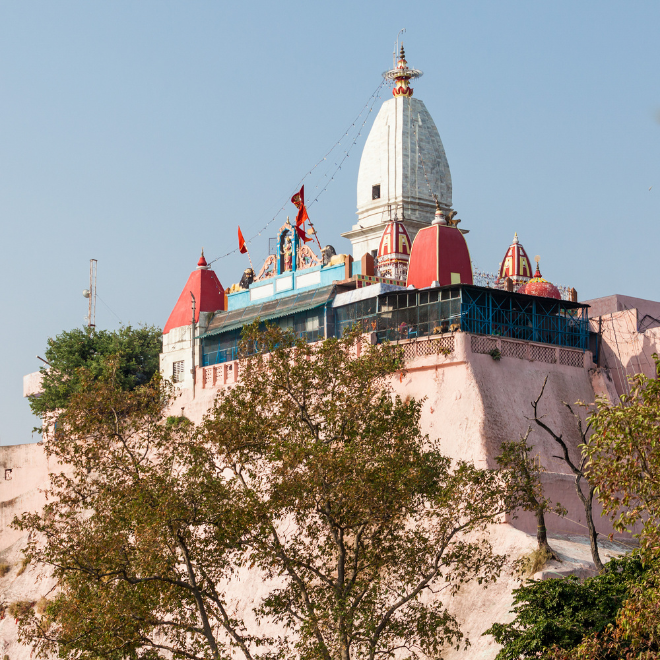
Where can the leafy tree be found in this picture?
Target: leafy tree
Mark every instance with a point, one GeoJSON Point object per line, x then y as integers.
{"type": "Point", "coordinates": [308, 471]}
{"type": "Point", "coordinates": [527, 488]}
{"type": "Point", "coordinates": [140, 528]}
{"type": "Point", "coordinates": [138, 350]}
{"type": "Point", "coordinates": [635, 635]}
{"type": "Point", "coordinates": [586, 495]}
{"type": "Point", "coordinates": [624, 458]}
{"type": "Point", "coordinates": [362, 519]}
{"type": "Point", "coordinates": [556, 615]}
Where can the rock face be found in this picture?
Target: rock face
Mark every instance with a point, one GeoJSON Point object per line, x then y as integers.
{"type": "Point", "coordinates": [472, 403]}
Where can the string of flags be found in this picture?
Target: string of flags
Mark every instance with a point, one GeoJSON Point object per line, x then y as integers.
{"type": "Point", "coordinates": [376, 94]}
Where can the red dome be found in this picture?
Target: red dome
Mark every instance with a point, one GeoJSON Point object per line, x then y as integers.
{"type": "Point", "coordinates": [516, 264]}
{"type": "Point", "coordinates": [538, 286]}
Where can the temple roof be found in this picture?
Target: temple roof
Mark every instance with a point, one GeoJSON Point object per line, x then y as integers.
{"type": "Point", "coordinates": [204, 284]}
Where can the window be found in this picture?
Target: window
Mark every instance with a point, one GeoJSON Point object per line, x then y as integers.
{"type": "Point", "coordinates": [7, 474]}
{"type": "Point", "coordinates": [312, 323]}
{"type": "Point", "coordinates": [375, 192]}
{"type": "Point", "coordinates": [177, 371]}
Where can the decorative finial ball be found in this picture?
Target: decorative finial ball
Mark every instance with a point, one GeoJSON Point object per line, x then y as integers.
{"type": "Point", "coordinates": [86, 293]}
{"type": "Point", "coordinates": [537, 258]}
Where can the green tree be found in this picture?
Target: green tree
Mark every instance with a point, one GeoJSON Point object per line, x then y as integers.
{"type": "Point", "coordinates": [137, 348]}
{"type": "Point", "coordinates": [623, 458]}
{"type": "Point", "coordinates": [558, 614]}
{"type": "Point", "coordinates": [526, 486]}
{"type": "Point", "coordinates": [308, 471]}
{"type": "Point", "coordinates": [363, 519]}
{"type": "Point", "coordinates": [140, 528]}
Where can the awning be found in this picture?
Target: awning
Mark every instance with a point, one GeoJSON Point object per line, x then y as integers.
{"type": "Point", "coordinates": [226, 321]}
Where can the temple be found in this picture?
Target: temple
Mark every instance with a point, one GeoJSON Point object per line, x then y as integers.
{"type": "Point", "coordinates": [478, 346]}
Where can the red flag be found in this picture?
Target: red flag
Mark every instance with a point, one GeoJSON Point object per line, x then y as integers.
{"type": "Point", "coordinates": [298, 199]}
{"type": "Point", "coordinates": [302, 216]}
{"type": "Point", "coordinates": [303, 235]}
{"type": "Point", "coordinates": [241, 242]}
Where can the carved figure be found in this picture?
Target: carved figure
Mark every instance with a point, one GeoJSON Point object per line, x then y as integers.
{"type": "Point", "coordinates": [306, 257]}
{"type": "Point", "coordinates": [327, 253]}
{"type": "Point", "coordinates": [247, 279]}
{"type": "Point", "coordinates": [268, 269]}
{"type": "Point", "coordinates": [288, 254]}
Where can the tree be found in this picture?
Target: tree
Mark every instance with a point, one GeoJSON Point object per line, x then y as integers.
{"type": "Point", "coordinates": [634, 635]}
{"type": "Point", "coordinates": [527, 488]}
{"type": "Point", "coordinates": [308, 471]}
{"type": "Point", "coordinates": [623, 458]}
{"type": "Point", "coordinates": [555, 616]}
{"type": "Point", "coordinates": [140, 528]}
{"type": "Point", "coordinates": [363, 521]}
{"type": "Point", "coordinates": [138, 351]}
{"type": "Point", "coordinates": [578, 469]}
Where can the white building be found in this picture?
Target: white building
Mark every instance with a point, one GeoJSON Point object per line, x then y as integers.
{"type": "Point", "coordinates": [403, 168]}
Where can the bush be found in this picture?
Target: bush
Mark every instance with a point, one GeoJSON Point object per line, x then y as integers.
{"type": "Point", "coordinates": [20, 608]}
{"type": "Point", "coordinates": [24, 564]}
{"type": "Point", "coordinates": [561, 612]}
{"type": "Point", "coordinates": [4, 569]}
{"type": "Point", "coordinates": [533, 562]}
{"type": "Point", "coordinates": [42, 604]}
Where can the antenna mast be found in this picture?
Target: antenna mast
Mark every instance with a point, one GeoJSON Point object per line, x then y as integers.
{"type": "Point", "coordinates": [91, 316]}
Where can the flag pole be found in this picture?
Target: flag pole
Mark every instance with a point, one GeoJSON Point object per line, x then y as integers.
{"type": "Point", "coordinates": [243, 248]}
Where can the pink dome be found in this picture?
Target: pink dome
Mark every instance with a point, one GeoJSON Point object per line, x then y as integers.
{"type": "Point", "coordinates": [538, 286]}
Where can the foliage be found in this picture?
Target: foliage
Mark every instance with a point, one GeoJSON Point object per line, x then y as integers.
{"type": "Point", "coordinates": [533, 561]}
{"type": "Point", "coordinates": [41, 606]}
{"type": "Point", "coordinates": [308, 472]}
{"type": "Point", "coordinates": [362, 519]}
{"type": "Point", "coordinates": [527, 490]}
{"type": "Point", "coordinates": [495, 354]}
{"type": "Point", "coordinates": [141, 528]}
{"type": "Point", "coordinates": [634, 635]}
{"type": "Point", "coordinates": [20, 608]}
{"type": "Point", "coordinates": [138, 350]}
{"type": "Point", "coordinates": [624, 458]}
{"type": "Point", "coordinates": [24, 564]}
{"type": "Point", "coordinates": [562, 612]}
{"type": "Point", "coordinates": [4, 568]}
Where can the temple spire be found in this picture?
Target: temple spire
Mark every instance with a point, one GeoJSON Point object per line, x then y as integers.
{"type": "Point", "coordinates": [401, 76]}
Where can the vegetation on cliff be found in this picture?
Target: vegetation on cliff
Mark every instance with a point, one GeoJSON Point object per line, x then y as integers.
{"type": "Point", "coordinates": [136, 351]}
{"type": "Point", "coordinates": [309, 472]}
{"type": "Point", "coordinates": [617, 613]}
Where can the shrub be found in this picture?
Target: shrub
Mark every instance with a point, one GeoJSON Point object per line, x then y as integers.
{"type": "Point", "coordinates": [24, 564]}
{"type": "Point", "coordinates": [4, 569]}
{"type": "Point", "coordinates": [20, 608]}
{"type": "Point", "coordinates": [533, 562]}
{"type": "Point", "coordinates": [42, 604]}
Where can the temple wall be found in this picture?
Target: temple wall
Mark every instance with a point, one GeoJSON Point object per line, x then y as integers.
{"type": "Point", "coordinates": [24, 471]}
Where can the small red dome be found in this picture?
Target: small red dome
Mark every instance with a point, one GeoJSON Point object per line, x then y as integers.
{"type": "Point", "coordinates": [516, 264]}
{"type": "Point", "coordinates": [538, 286]}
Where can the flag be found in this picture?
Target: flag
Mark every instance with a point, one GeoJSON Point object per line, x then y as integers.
{"type": "Point", "coordinates": [302, 216]}
{"type": "Point", "coordinates": [298, 199]}
{"type": "Point", "coordinates": [241, 242]}
{"type": "Point", "coordinates": [303, 235]}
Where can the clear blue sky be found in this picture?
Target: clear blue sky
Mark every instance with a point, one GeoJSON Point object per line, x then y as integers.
{"type": "Point", "coordinates": [138, 132]}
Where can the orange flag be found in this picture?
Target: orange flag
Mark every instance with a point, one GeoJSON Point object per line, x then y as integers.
{"type": "Point", "coordinates": [241, 242]}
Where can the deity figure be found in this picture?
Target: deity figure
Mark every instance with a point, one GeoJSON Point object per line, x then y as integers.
{"type": "Point", "coordinates": [288, 253]}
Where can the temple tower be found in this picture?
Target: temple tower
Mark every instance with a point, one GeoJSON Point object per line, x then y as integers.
{"type": "Point", "coordinates": [403, 167]}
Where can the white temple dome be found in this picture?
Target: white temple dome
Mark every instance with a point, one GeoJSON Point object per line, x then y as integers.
{"type": "Point", "coordinates": [403, 166]}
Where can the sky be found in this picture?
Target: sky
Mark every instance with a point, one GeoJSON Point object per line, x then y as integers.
{"type": "Point", "coordinates": [136, 133]}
